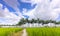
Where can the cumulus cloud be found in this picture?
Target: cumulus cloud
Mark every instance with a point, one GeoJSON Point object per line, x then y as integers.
{"type": "Point", "coordinates": [8, 17]}
{"type": "Point", "coordinates": [45, 9]}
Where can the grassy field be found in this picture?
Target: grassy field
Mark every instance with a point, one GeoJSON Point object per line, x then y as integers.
{"type": "Point", "coordinates": [43, 31]}
{"type": "Point", "coordinates": [8, 31]}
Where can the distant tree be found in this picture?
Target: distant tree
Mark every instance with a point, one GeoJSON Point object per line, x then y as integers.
{"type": "Point", "coordinates": [45, 22]}
{"type": "Point", "coordinates": [22, 21]}
{"type": "Point", "coordinates": [57, 22]}
{"type": "Point", "coordinates": [38, 21]}
{"type": "Point", "coordinates": [32, 21]}
{"type": "Point", "coordinates": [26, 20]}
{"type": "Point", "coordinates": [53, 21]}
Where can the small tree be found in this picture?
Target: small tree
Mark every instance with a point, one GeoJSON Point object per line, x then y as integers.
{"type": "Point", "coordinates": [22, 21]}
{"type": "Point", "coordinates": [57, 22]}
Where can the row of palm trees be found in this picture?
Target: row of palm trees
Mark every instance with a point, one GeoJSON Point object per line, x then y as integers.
{"type": "Point", "coordinates": [23, 21]}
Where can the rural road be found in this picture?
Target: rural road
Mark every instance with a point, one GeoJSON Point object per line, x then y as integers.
{"type": "Point", "coordinates": [24, 32]}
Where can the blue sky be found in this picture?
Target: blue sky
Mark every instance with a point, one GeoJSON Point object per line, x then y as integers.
{"type": "Point", "coordinates": [5, 5]}
{"type": "Point", "coordinates": [21, 6]}
{"type": "Point", "coordinates": [14, 10]}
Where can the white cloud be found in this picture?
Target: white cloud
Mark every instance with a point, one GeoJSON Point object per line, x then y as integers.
{"type": "Point", "coordinates": [9, 17]}
{"type": "Point", "coordinates": [45, 10]}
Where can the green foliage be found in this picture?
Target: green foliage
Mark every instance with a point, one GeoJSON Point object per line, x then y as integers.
{"type": "Point", "coordinates": [57, 22]}
{"type": "Point", "coordinates": [23, 21]}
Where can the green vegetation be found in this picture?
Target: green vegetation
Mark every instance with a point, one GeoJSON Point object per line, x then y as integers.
{"type": "Point", "coordinates": [23, 21]}
{"type": "Point", "coordinates": [43, 31]}
{"type": "Point", "coordinates": [8, 31]}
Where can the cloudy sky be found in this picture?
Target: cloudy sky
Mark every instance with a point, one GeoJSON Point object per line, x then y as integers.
{"type": "Point", "coordinates": [11, 11]}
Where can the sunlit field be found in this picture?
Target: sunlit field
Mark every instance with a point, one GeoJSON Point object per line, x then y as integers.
{"type": "Point", "coordinates": [43, 31]}
{"type": "Point", "coordinates": [8, 31]}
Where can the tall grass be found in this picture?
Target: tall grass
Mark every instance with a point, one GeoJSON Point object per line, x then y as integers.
{"type": "Point", "coordinates": [8, 31]}
{"type": "Point", "coordinates": [43, 31]}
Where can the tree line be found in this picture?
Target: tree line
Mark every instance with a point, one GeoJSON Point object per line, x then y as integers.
{"type": "Point", "coordinates": [23, 21]}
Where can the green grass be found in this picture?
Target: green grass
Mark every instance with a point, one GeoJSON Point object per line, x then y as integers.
{"type": "Point", "coordinates": [8, 31]}
{"type": "Point", "coordinates": [43, 31]}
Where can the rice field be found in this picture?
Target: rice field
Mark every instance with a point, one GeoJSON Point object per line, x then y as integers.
{"type": "Point", "coordinates": [8, 31]}
{"type": "Point", "coordinates": [43, 31]}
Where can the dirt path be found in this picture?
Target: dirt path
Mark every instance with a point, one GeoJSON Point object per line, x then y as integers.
{"type": "Point", "coordinates": [24, 33]}
{"type": "Point", "coordinates": [20, 33]}
{"type": "Point", "coordinates": [17, 34]}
